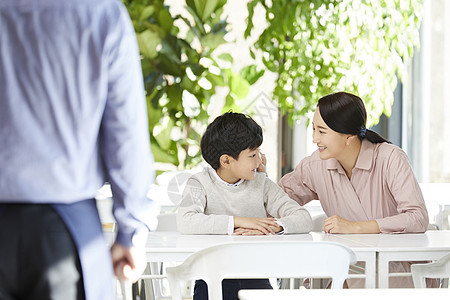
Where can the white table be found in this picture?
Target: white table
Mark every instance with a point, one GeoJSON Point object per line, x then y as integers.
{"type": "Point", "coordinates": [344, 294]}
{"type": "Point", "coordinates": [431, 245]}
{"type": "Point", "coordinates": [172, 246]}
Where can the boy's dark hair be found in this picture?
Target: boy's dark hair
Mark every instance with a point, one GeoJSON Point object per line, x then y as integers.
{"type": "Point", "coordinates": [229, 134]}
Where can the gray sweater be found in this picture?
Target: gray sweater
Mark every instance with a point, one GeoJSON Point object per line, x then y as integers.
{"type": "Point", "coordinates": [207, 204]}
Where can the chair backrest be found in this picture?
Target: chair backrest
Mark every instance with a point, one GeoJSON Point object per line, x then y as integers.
{"type": "Point", "coordinates": [167, 222]}
{"type": "Point", "coordinates": [262, 260]}
{"type": "Point", "coordinates": [436, 196]}
{"type": "Point", "coordinates": [317, 221]}
{"type": "Point", "coordinates": [437, 269]}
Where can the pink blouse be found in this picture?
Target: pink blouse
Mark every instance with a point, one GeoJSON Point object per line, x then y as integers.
{"type": "Point", "coordinates": [382, 188]}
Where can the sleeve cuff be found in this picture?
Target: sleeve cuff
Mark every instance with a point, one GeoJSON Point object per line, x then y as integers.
{"type": "Point", "coordinates": [230, 230]}
{"type": "Point", "coordinates": [137, 238]}
{"type": "Point", "coordinates": [281, 224]}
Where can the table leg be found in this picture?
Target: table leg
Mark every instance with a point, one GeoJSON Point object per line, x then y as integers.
{"type": "Point", "coordinates": [369, 259]}
{"type": "Point", "coordinates": [383, 272]}
{"type": "Point", "coordinates": [371, 271]}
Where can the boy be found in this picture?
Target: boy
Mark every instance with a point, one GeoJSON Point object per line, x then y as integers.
{"type": "Point", "coordinates": [231, 197]}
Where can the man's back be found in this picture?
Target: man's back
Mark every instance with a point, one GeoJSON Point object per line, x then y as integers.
{"type": "Point", "coordinates": [61, 71]}
{"type": "Point", "coordinates": [72, 116]}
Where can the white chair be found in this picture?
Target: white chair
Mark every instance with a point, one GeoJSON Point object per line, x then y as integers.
{"type": "Point", "coordinates": [317, 221]}
{"type": "Point", "coordinates": [167, 191]}
{"type": "Point", "coordinates": [439, 269]}
{"type": "Point", "coordinates": [125, 287]}
{"type": "Point", "coordinates": [167, 222]}
{"type": "Point", "coordinates": [295, 283]}
{"type": "Point", "coordinates": [153, 275]}
{"type": "Point", "coordinates": [155, 287]}
{"type": "Point", "coordinates": [262, 260]}
{"type": "Point", "coordinates": [437, 201]}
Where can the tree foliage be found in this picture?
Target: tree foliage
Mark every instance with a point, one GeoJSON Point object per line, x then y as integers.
{"type": "Point", "coordinates": [182, 69]}
{"type": "Point", "coordinates": [320, 47]}
{"type": "Point", "coordinates": [315, 48]}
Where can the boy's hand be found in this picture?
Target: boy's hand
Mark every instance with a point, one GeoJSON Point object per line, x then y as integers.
{"type": "Point", "coordinates": [262, 165]}
{"type": "Point", "coordinates": [247, 231]}
{"type": "Point", "coordinates": [277, 228]}
{"type": "Point", "coordinates": [265, 225]}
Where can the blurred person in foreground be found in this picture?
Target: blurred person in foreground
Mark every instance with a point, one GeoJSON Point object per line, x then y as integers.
{"type": "Point", "coordinates": [72, 116]}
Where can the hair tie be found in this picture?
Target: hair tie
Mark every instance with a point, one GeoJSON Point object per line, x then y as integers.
{"type": "Point", "coordinates": [362, 132]}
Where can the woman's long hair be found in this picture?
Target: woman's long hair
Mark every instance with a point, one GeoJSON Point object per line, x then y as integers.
{"type": "Point", "coordinates": [345, 113]}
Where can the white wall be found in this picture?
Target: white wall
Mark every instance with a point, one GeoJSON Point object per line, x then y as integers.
{"type": "Point", "coordinates": [427, 102]}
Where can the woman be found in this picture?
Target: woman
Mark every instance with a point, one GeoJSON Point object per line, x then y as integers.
{"type": "Point", "coordinates": [363, 182]}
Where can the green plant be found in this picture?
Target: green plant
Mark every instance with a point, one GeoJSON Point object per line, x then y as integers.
{"type": "Point", "coordinates": [182, 70]}
{"type": "Point", "coordinates": [320, 47]}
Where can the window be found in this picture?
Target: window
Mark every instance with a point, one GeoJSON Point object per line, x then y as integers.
{"type": "Point", "coordinates": [420, 120]}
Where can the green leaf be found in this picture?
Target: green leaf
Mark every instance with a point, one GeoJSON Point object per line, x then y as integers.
{"type": "Point", "coordinates": [171, 46]}
{"type": "Point", "coordinates": [220, 27]}
{"type": "Point", "coordinates": [169, 58]}
{"type": "Point", "coordinates": [153, 82]}
{"type": "Point", "coordinates": [148, 41]}
{"type": "Point", "coordinates": [190, 36]}
{"type": "Point", "coordinates": [230, 104]}
{"type": "Point", "coordinates": [193, 160]}
{"type": "Point", "coordinates": [197, 69]}
{"type": "Point", "coordinates": [165, 19]}
{"type": "Point", "coordinates": [168, 66]}
{"type": "Point", "coordinates": [252, 54]}
{"type": "Point", "coordinates": [198, 27]}
{"type": "Point", "coordinates": [250, 7]}
{"type": "Point", "coordinates": [252, 73]}
{"type": "Point", "coordinates": [154, 115]}
{"type": "Point", "coordinates": [238, 86]}
{"type": "Point", "coordinates": [216, 79]}
{"type": "Point", "coordinates": [162, 133]}
{"type": "Point", "coordinates": [212, 41]}
{"type": "Point", "coordinates": [195, 136]}
{"type": "Point", "coordinates": [204, 8]}
{"type": "Point", "coordinates": [147, 12]}
{"type": "Point", "coordinates": [226, 57]}
{"type": "Point", "coordinates": [163, 156]}
{"type": "Point", "coordinates": [174, 93]}
{"type": "Point", "coordinates": [188, 84]}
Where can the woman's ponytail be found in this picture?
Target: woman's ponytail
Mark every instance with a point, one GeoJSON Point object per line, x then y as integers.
{"type": "Point", "coordinates": [374, 137]}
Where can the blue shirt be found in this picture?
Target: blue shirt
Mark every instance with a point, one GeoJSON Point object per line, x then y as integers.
{"type": "Point", "coordinates": [72, 107]}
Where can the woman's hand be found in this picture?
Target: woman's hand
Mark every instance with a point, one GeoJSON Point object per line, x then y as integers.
{"type": "Point", "coordinates": [265, 225]}
{"type": "Point", "coordinates": [337, 224]}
